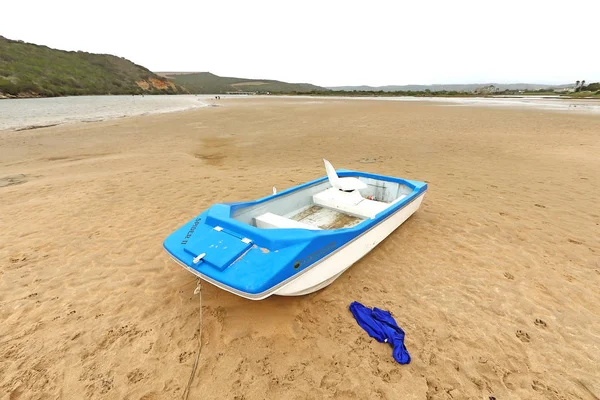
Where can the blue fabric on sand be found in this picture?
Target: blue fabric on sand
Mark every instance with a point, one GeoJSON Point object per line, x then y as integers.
{"type": "Point", "coordinates": [381, 326]}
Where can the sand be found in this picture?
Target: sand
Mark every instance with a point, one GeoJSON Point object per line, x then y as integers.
{"type": "Point", "coordinates": [495, 279]}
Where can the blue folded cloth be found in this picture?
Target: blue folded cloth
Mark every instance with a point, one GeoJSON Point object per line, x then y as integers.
{"type": "Point", "coordinates": [381, 326]}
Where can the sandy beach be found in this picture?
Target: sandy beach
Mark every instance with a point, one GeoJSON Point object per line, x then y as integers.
{"type": "Point", "coordinates": [495, 280]}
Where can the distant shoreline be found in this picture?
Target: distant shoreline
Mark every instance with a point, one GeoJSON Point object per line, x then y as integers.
{"type": "Point", "coordinates": [4, 96]}
{"type": "Point", "coordinates": [46, 112]}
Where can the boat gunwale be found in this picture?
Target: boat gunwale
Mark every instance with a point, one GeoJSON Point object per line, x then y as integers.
{"type": "Point", "coordinates": [224, 217]}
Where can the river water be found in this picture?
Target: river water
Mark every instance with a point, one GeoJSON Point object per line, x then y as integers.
{"type": "Point", "coordinates": [16, 114]}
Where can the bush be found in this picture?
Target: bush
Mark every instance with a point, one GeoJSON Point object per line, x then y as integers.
{"type": "Point", "coordinates": [8, 87]}
{"type": "Point", "coordinates": [592, 87]}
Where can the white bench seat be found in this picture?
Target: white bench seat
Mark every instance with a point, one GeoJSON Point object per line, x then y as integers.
{"type": "Point", "coordinates": [274, 221]}
{"type": "Point", "coordinates": [351, 203]}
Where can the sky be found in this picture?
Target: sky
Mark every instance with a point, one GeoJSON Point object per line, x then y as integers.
{"type": "Point", "coordinates": [329, 43]}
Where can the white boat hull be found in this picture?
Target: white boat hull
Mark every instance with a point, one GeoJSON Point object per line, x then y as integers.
{"type": "Point", "coordinates": [330, 268]}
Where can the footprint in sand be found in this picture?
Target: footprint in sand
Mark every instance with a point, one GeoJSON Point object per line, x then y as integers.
{"type": "Point", "coordinates": [135, 376]}
{"type": "Point", "coordinates": [183, 357]}
{"type": "Point", "coordinates": [10, 180]}
{"type": "Point", "coordinates": [540, 323]}
{"type": "Point", "coordinates": [523, 336]}
{"type": "Point", "coordinates": [508, 275]}
{"type": "Point", "coordinates": [147, 350]}
{"type": "Point", "coordinates": [15, 260]}
{"type": "Point", "coordinates": [538, 386]}
{"type": "Point", "coordinates": [367, 160]}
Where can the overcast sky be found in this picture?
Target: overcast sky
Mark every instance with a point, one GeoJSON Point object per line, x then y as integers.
{"type": "Point", "coordinates": [327, 42]}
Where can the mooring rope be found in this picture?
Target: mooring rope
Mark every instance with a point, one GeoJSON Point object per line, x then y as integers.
{"type": "Point", "coordinates": [197, 291]}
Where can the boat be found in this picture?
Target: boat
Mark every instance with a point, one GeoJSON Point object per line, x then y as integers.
{"type": "Point", "coordinates": [296, 241]}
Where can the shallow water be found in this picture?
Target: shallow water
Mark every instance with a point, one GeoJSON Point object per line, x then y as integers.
{"type": "Point", "coordinates": [31, 113]}
{"type": "Point", "coordinates": [535, 102]}
{"type": "Point", "coordinates": [543, 103]}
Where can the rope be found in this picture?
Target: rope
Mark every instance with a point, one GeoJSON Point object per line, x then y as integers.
{"type": "Point", "coordinates": [198, 291]}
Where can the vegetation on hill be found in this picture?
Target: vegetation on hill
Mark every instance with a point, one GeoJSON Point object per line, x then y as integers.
{"type": "Point", "coordinates": [398, 93]}
{"type": "Point", "coordinates": [577, 90]}
{"type": "Point", "coordinates": [29, 70]}
{"type": "Point", "coordinates": [466, 87]}
{"type": "Point", "coordinates": [207, 83]}
{"type": "Point", "coordinates": [585, 94]}
{"type": "Point", "coordinates": [587, 91]}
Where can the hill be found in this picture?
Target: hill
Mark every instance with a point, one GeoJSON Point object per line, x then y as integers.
{"type": "Point", "coordinates": [450, 87]}
{"type": "Point", "coordinates": [30, 70]}
{"type": "Point", "coordinates": [207, 83]}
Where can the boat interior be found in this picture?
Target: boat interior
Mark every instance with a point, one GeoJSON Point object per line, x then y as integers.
{"type": "Point", "coordinates": [338, 202]}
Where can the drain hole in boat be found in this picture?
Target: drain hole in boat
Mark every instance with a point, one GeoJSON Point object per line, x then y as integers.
{"type": "Point", "coordinates": [297, 265]}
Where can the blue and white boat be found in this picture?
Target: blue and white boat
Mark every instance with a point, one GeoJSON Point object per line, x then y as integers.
{"type": "Point", "coordinates": [299, 240]}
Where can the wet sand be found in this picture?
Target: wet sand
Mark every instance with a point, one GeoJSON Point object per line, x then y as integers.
{"type": "Point", "coordinates": [495, 280]}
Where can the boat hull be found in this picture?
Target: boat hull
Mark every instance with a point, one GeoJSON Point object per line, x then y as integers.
{"type": "Point", "coordinates": [323, 272]}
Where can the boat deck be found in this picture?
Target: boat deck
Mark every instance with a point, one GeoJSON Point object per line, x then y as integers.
{"type": "Point", "coordinates": [325, 218]}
